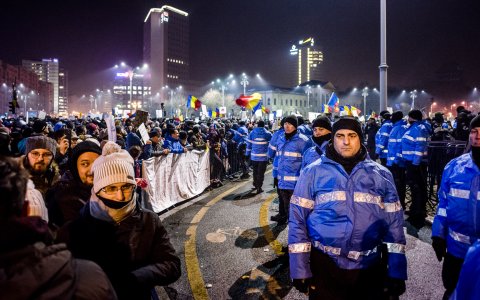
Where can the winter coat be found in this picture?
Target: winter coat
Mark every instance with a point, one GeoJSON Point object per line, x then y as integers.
{"type": "Point", "coordinates": [173, 145]}
{"type": "Point", "coordinates": [458, 214]}
{"type": "Point", "coordinates": [394, 156]}
{"type": "Point", "coordinates": [313, 153]}
{"type": "Point", "coordinates": [290, 154]}
{"type": "Point", "coordinates": [33, 269]}
{"type": "Point", "coordinates": [305, 130]}
{"type": "Point", "coordinates": [381, 139]}
{"type": "Point", "coordinates": [415, 143]}
{"type": "Point", "coordinates": [468, 287]}
{"type": "Point", "coordinates": [65, 199]}
{"type": "Point", "coordinates": [257, 144]}
{"type": "Point", "coordinates": [272, 150]}
{"type": "Point", "coordinates": [136, 254]}
{"type": "Point", "coordinates": [347, 217]}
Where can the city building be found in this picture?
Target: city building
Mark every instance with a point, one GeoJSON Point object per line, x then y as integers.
{"type": "Point", "coordinates": [307, 62]}
{"type": "Point", "coordinates": [33, 94]}
{"type": "Point", "coordinates": [62, 91]}
{"type": "Point", "coordinates": [166, 47]}
{"type": "Point", "coordinates": [131, 90]}
{"type": "Point", "coordinates": [48, 70]}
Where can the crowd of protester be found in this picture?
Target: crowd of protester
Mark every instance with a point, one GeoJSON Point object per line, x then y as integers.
{"type": "Point", "coordinates": [75, 186]}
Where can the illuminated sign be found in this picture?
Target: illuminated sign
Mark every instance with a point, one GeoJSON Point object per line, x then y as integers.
{"type": "Point", "coordinates": [294, 50]}
{"type": "Point", "coordinates": [164, 17]}
{"type": "Point", "coordinates": [306, 41]}
{"type": "Point", "coordinates": [127, 75]}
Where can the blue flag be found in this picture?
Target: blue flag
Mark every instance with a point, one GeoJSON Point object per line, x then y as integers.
{"type": "Point", "coordinates": [333, 100]}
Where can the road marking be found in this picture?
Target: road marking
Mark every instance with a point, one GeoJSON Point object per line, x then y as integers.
{"type": "Point", "coordinates": [263, 220]}
{"type": "Point", "coordinates": [191, 260]}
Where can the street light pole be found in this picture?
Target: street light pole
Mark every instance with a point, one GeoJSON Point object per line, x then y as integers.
{"type": "Point", "coordinates": [413, 95]}
{"type": "Point", "coordinates": [244, 82]}
{"type": "Point", "coordinates": [365, 94]}
{"type": "Point", "coordinates": [383, 55]}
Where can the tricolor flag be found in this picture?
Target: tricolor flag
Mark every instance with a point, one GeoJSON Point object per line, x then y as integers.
{"type": "Point", "coordinates": [258, 106]}
{"type": "Point", "coordinates": [265, 110]}
{"type": "Point", "coordinates": [326, 109]}
{"type": "Point", "coordinates": [253, 100]}
{"type": "Point", "coordinates": [193, 102]}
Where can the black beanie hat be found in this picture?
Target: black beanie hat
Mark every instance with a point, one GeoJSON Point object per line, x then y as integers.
{"type": "Point", "coordinates": [261, 123]}
{"type": "Point", "coordinates": [78, 150]}
{"type": "Point", "coordinates": [282, 122]}
{"type": "Point", "coordinates": [347, 123]}
{"type": "Point", "coordinates": [323, 122]}
{"type": "Point", "coordinates": [292, 119]}
{"type": "Point", "coordinates": [301, 120]}
{"type": "Point", "coordinates": [397, 116]}
{"type": "Point", "coordinates": [475, 122]}
{"type": "Point", "coordinates": [415, 114]}
{"type": "Point", "coordinates": [385, 114]}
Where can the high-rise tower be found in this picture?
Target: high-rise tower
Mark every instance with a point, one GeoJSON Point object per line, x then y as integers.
{"type": "Point", "coordinates": [308, 60]}
{"type": "Point", "coordinates": [166, 47]}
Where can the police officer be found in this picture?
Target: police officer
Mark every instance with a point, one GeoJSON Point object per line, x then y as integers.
{"type": "Point", "coordinates": [414, 151]}
{"type": "Point", "coordinates": [322, 132]}
{"type": "Point", "coordinates": [381, 137]}
{"type": "Point", "coordinates": [290, 148]}
{"type": "Point", "coordinates": [395, 162]}
{"type": "Point", "coordinates": [257, 147]}
{"type": "Point", "coordinates": [343, 210]}
{"type": "Point", "coordinates": [272, 152]}
{"type": "Point", "coordinates": [455, 226]}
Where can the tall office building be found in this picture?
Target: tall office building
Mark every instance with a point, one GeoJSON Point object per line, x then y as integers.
{"type": "Point", "coordinates": [308, 59]}
{"type": "Point", "coordinates": [47, 70]}
{"type": "Point", "coordinates": [62, 91]}
{"type": "Point", "coordinates": [166, 47]}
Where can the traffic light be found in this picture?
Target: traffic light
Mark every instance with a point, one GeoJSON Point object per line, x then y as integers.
{"type": "Point", "coordinates": [12, 106]}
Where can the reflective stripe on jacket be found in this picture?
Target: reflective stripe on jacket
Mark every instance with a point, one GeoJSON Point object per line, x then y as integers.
{"type": "Point", "coordinates": [381, 139]}
{"type": "Point", "coordinates": [415, 142]}
{"type": "Point", "coordinates": [458, 214]}
{"type": "Point", "coordinates": [272, 151]}
{"type": "Point", "coordinates": [290, 154]}
{"type": "Point", "coordinates": [347, 217]}
{"type": "Point", "coordinates": [257, 144]}
{"type": "Point", "coordinates": [394, 156]}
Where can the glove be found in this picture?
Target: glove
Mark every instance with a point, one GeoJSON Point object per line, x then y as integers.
{"type": "Point", "coordinates": [439, 246]}
{"type": "Point", "coordinates": [395, 286]}
{"type": "Point", "coordinates": [275, 182]}
{"type": "Point", "coordinates": [302, 285]}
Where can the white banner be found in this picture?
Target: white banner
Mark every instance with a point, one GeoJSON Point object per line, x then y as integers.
{"type": "Point", "coordinates": [112, 132]}
{"type": "Point", "coordinates": [174, 178]}
{"type": "Point", "coordinates": [223, 110]}
{"type": "Point", "coordinates": [143, 133]}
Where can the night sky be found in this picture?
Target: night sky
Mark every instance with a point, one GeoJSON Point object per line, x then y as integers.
{"type": "Point", "coordinates": [252, 36]}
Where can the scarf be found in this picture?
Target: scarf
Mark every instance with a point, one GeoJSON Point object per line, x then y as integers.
{"type": "Point", "coordinates": [347, 163]}
{"type": "Point", "coordinates": [290, 135]}
{"type": "Point", "coordinates": [100, 211]}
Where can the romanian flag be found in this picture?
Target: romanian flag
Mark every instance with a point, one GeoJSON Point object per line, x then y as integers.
{"type": "Point", "coordinates": [214, 113]}
{"type": "Point", "coordinates": [326, 109]}
{"type": "Point", "coordinates": [347, 110]}
{"type": "Point", "coordinates": [265, 110]}
{"type": "Point", "coordinates": [193, 102]}
{"type": "Point", "coordinates": [355, 111]}
{"type": "Point", "coordinates": [258, 106]}
{"type": "Point", "coordinates": [252, 100]}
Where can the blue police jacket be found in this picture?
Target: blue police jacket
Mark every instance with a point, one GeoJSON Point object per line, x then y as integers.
{"type": "Point", "coordinates": [290, 154]}
{"type": "Point", "coordinates": [257, 144]}
{"type": "Point", "coordinates": [272, 151]}
{"type": "Point", "coordinates": [468, 287]}
{"type": "Point", "coordinates": [305, 130]}
{"type": "Point", "coordinates": [394, 156]}
{"type": "Point", "coordinates": [458, 213]}
{"type": "Point", "coordinates": [381, 139]}
{"type": "Point", "coordinates": [415, 142]}
{"type": "Point", "coordinates": [313, 153]}
{"type": "Point", "coordinates": [173, 145]}
{"type": "Point", "coordinates": [347, 217]}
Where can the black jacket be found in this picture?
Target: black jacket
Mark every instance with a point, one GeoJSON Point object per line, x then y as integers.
{"type": "Point", "coordinates": [136, 254]}
{"type": "Point", "coordinates": [31, 269]}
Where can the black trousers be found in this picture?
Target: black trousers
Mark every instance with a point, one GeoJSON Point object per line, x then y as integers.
{"type": "Point", "coordinates": [259, 168]}
{"type": "Point", "coordinates": [450, 273]}
{"type": "Point", "coordinates": [399, 178]}
{"type": "Point", "coordinates": [332, 283]}
{"type": "Point", "coordinates": [417, 180]}
{"type": "Point", "coordinates": [284, 202]}
{"type": "Point", "coordinates": [242, 160]}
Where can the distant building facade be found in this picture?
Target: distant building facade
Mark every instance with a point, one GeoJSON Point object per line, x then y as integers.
{"type": "Point", "coordinates": [166, 47]}
{"type": "Point", "coordinates": [307, 62]}
{"type": "Point", "coordinates": [33, 93]}
{"type": "Point", "coordinates": [48, 70]}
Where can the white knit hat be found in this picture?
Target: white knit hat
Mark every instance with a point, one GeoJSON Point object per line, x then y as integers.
{"type": "Point", "coordinates": [113, 166]}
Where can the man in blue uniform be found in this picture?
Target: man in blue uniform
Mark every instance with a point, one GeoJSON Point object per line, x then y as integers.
{"type": "Point", "coordinates": [257, 147]}
{"type": "Point", "coordinates": [343, 212]}
{"type": "Point", "coordinates": [456, 225]}
{"type": "Point", "coordinates": [322, 132]}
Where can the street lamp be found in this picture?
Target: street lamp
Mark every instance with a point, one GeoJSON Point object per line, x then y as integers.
{"type": "Point", "coordinates": [308, 91]}
{"type": "Point", "coordinates": [413, 95]}
{"type": "Point", "coordinates": [244, 82]}
{"type": "Point", "coordinates": [365, 94]}
{"type": "Point", "coordinates": [431, 107]}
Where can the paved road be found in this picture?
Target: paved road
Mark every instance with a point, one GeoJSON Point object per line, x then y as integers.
{"type": "Point", "coordinates": [231, 250]}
